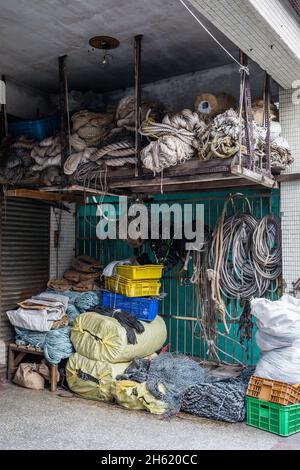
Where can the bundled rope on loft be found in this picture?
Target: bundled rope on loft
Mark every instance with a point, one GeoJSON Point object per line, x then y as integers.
{"type": "Point", "coordinates": [117, 150]}
{"type": "Point", "coordinates": [56, 344]}
{"type": "Point", "coordinates": [177, 139]}
{"type": "Point", "coordinates": [222, 137]}
{"type": "Point", "coordinates": [125, 113]}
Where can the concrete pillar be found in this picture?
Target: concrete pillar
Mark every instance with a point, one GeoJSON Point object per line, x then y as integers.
{"type": "Point", "coordinates": [290, 192]}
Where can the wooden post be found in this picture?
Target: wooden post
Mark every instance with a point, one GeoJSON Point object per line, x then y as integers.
{"type": "Point", "coordinates": [53, 377]}
{"type": "Point", "coordinates": [63, 105]}
{"type": "Point", "coordinates": [138, 99]}
{"type": "Point", "coordinates": [4, 113]}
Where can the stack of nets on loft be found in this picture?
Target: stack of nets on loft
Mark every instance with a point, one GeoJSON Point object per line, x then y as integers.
{"type": "Point", "coordinates": [83, 276]}
{"type": "Point", "coordinates": [189, 134]}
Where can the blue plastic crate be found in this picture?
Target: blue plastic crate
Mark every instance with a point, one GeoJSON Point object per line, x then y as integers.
{"type": "Point", "coordinates": [145, 309]}
{"type": "Point", "coordinates": [39, 129]}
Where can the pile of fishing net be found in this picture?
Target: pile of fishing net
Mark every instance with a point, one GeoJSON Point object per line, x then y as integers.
{"type": "Point", "coordinates": [178, 383]}
{"type": "Point", "coordinates": [15, 159]}
{"type": "Point", "coordinates": [223, 400]}
{"type": "Point", "coordinates": [83, 276]}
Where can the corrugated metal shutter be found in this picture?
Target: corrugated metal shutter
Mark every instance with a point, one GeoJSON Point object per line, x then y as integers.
{"type": "Point", "coordinates": [24, 259]}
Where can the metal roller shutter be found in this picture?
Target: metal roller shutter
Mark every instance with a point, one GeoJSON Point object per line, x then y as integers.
{"type": "Point", "coordinates": [24, 259]}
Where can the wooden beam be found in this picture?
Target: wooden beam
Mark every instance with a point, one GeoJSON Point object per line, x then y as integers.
{"type": "Point", "coordinates": [141, 184]}
{"type": "Point", "coordinates": [253, 176]}
{"type": "Point", "coordinates": [41, 195]}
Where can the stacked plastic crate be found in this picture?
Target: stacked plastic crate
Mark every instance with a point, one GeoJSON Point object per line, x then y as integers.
{"type": "Point", "coordinates": [135, 290]}
{"type": "Point", "coordinates": [273, 406]}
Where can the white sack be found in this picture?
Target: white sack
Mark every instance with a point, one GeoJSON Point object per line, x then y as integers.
{"type": "Point", "coordinates": [280, 318]}
{"type": "Point", "coordinates": [35, 320]}
{"type": "Point", "coordinates": [281, 364]}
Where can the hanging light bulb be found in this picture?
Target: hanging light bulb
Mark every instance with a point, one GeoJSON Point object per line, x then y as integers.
{"type": "Point", "coordinates": [107, 58]}
{"type": "Point", "coordinates": [105, 43]}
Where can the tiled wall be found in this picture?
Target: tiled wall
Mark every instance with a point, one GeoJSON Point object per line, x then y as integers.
{"type": "Point", "coordinates": [267, 30]}
{"type": "Point", "coordinates": [290, 192]}
{"type": "Point", "coordinates": [66, 249]}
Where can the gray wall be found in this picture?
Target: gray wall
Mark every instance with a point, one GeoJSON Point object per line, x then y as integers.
{"type": "Point", "coordinates": [179, 92]}
{"type": "Point", "coordinates": [23, 102]}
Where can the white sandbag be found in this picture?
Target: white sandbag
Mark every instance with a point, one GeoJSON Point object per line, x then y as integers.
{"type": "Point", "coordinates": [280, 318]}
{"type": "Point", "coordinates": [35, 320]}
{"type": "Point", "coordinates": [281, 364]}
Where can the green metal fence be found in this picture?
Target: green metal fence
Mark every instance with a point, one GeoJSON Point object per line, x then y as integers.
{"type": "Point", "coordinates": [179, 307]}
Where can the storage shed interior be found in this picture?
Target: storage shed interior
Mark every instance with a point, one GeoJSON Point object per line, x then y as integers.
{"type": "Point", "coordinates": [44, 226]}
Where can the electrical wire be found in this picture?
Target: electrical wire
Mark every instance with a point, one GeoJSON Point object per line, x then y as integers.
{"type": "Point", "coordinates": [242, 67]}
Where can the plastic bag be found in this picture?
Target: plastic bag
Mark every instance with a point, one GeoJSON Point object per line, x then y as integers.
{"type": "Point", "coordinates": [281, 364]}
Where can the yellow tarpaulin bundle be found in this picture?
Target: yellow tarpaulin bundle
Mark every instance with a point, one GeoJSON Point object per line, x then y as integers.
{"type": "Point", "coordinates": [136, 396]}
{"type": "Point", "coordinates": [102, 338]}
{"type": "Point", "coordinates": [92, 379]}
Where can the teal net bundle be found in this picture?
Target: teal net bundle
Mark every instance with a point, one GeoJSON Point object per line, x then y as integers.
{"type": "Point", "coordinates": [56, 344]}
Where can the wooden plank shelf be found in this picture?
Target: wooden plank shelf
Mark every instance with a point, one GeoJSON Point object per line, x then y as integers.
{"type": "Point", "coordinates": [194, 175]}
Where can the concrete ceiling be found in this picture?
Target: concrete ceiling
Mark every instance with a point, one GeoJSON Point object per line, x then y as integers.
{"type": "Point", "coordinates": [34, 33]}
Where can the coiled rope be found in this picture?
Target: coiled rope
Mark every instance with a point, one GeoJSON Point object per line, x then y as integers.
{"type": "Point", "coordinates": [245, 255]}
{"type": "Point", "coordinates": [56, 344]}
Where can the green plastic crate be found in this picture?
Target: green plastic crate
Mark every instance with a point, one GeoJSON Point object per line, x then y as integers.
{"type": "Point", "coordinates": [278, 419]}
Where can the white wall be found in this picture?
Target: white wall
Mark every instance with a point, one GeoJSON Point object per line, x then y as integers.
{"type": "Point", "coordinates": [66, 250]}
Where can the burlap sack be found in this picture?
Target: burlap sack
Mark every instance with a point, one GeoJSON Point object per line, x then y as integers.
{"type": "Point", "coordinates": [28, 377]}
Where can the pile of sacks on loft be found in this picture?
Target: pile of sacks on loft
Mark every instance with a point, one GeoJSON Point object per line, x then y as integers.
{"type": "Point", "coordinates": [212, 130]}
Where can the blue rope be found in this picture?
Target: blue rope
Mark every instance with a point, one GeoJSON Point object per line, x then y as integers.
{"type": "Point", "coordinates": [79, 302]}
{"type": "Point", "coordinates": [56, 344]}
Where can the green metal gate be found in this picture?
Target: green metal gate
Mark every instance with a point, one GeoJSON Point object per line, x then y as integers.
{"type": "Point", "coordinates": [179, 306]}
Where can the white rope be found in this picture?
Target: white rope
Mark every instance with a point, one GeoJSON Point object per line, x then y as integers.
{"type": "Point", "coordinates": [242, 67]}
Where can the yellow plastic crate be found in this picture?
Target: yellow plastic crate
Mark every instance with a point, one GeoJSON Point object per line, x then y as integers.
{"type": "Point", "coordinates": [137, 273]}
{"type": "Point", "coordinates": [130, 288]}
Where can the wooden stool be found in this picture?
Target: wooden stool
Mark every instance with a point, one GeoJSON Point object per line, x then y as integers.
{"type": "Point", "coordinates": [16, 355]}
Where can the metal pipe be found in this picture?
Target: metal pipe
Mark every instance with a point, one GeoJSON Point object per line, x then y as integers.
{"type": "Point", "coordinates": [247, 109]}
{"type": "Point", "coordinates": [64, 119]}
{"type": "Point", "coordinates": [138, 100]}
{"type": "Point", "coordinates": [4, 112]}
{"type": "Point", "coordinates": [267, 123]}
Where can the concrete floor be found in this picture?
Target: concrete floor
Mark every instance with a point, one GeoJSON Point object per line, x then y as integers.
{"type": "Point", "coordinates": [41, 420]}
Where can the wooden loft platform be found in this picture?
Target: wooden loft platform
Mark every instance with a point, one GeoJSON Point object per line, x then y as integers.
{"type": "Point", "coordinates": [191, 176]}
